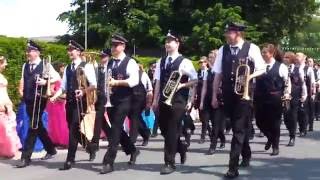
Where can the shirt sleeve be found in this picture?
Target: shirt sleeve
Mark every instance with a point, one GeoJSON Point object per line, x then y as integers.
{"type": "Point", "coordinates": [22, 72]}
{"type": "Point", "coordinates": [157, 71]}
{"type": "Point", "coordinates": [217, 66]}
{"type": "Point", "coordinates": [311, 75]}
{"type": "Point", "coordinates": [90, 74]}
{"type": "Point", "coordinates": [283, 71]}
{"type": "Point", "coordinates": [255, 54]}
{"type": "Point", "coordinates": [147, 82]}
{"type": "Point", "coordinates": [132, 71]}
{"type": "Point", "coordinates": [64, 80]}
{"type": "Point", "coordinates": [188, 69]}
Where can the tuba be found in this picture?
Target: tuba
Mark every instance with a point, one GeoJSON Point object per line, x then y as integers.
{"type": "Point", "coordinates": [171, 87]}
{"type": "Point", "coordinates": [242, 79]}
{"type": "Point", "coordinates": [39, 90]}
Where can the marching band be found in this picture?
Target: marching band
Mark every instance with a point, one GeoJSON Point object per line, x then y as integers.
{"type": "Point", "coordinates": [237, 82]}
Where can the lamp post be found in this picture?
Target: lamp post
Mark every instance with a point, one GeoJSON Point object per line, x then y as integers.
{"type": "Point", "coordinates": [85, 24]}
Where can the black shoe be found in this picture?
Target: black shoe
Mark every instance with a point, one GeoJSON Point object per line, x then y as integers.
{"type": "Point", "coordinates": [303, 133]}
{"type": "Point", "coordinates": [231, 174]}
{"type": "Point", "coordinates": [245, 163]}
{"type": "Point", "coordinates": [23, 163]}
{"type": "Point", "coordinates": [267, 146]}
{"type": "Point", "coordinates": [222, 145]}
{"type": "Point", "coordinates": [92, 156]}
{"type": "Point", "coordinates": [133, 157]}
{"type": "Point", "coordinates": [202, 140]}
{"type": "Point", "coordinates": [275, 152]}
{"type": "Point", "coordinates": [107, 168]}
{"type": "Point", "coordinates": [183, 157]}
{"type": "Point", "coordinates": [66, 166]}
{"type": "Point", "coordinates": [167, 169]}
{"type": "Point", "coordinates": [291, 142]}
{"type": "Point", "coordinates": [211, 151]}
{"type": "Point", "coordinates": [49, 156]}
{"type": "Point", "coordinates": [145, 142]}
{"type": "Point", "coordinates": [310, 129]}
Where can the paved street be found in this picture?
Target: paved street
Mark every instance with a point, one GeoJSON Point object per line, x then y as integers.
{"type": "Point", "coordinates": [299, 163]}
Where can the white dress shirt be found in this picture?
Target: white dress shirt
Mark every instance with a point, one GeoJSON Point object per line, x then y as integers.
{"type": "Point", "coordinates": [186, 67]}
{"type": "Point", "coordinates": [310, 73]}
{"type": "Point", "coordinates": [283, 72]}
{"type": "Point", "coordinates": [89, 72]}
{"type": "Point", "coordinates": [132, 70]}
{"type": "Point", "coordinates": [53, 73]}
{"type": "Point", "coordinates": [254, 54]}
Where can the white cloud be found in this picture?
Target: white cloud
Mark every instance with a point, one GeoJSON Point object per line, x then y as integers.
{"type": "Point", "coordinates": [32, 18]}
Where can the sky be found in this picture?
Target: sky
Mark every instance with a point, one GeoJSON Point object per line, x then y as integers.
{"type": "Point", "coordinates": [32, 18]}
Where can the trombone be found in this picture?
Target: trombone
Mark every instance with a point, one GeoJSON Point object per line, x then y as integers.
{"type": "Point", "coordinates": [171, 87]}
{"type": "Point", "coordinates": [38, 96]}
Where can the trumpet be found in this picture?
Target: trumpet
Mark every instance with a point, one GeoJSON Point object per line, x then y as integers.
{"type": "Point", "coordinates": [39, 95]}
{"type": "Point", "coordinates": [171, 87]}
{"type": "Point", "coordinates": [242, 81]}
{"type": "Point", "coordinates": [108, 88]}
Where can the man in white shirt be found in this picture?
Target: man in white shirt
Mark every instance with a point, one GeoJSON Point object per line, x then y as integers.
{"type": "Point", "coordinates": [312, 83]}
{"type": "Point", "coordinates": [124, 78]}
{"type": "Point", "coordinates": [227, 60]}
{"type": "Point", "coordinates": [76, 103]}
{"type": "Point", "coordinates": [170, 116]}
{"type": "Point", "coordinates": [34, 76]}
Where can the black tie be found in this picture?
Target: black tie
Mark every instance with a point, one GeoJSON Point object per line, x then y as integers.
{"type": "Point", "coordinates": [234, 50]}
{"type": "Point", "coordinates": [32, 67]}
{"type": "Point", "coordinates": [116, 63]}
{"type": "Point", "coordinates": [296, 70]}
{"type": "Point", "coordinates": [73, 67]}
{"type": "Point", "coordinates": [268, 68]}
{"type": "Point", "coordinates": [169, 63]}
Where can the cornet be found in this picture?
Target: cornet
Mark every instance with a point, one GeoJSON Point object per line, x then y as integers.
{"type": "Point", "coordinates": [171, 87]}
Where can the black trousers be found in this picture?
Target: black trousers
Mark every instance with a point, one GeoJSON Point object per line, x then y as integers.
{"type": "Point", "coordinates": [204, 118]}
{"type": "Point", "coordinates": [310, 111]}
{"type": "Point", "coordinates": [137, 124]}
{"type": "Point", "coordinates": [216, 116]}
{"type": "Point", "coordinates": [40, 132]}
{"type": "Point", "coordinates": [75, 136]}
{"type": "Point", "coordinates": [100, 124]}
{"type": "Point", "coordinates": [117, 115]}
{"type": "Point", "coordinates": [295, 114]}
{"type": "Point", "coordinates": [268, 118]}
{"type": "Point", "coordinates": [170, 118]}
{"type": "Point", "coordinates": [156, 121]}
{"type": "Point", "coordinates": [240, 117]}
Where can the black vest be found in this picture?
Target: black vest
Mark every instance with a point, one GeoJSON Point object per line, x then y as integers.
{"type": "Point", "coordinates": [210, 78]}
{"type": "Point", "coordinates": [180, 96]}
{"type": "Point", "coordinates": [29, 82]}
{"type": "Point", "coordinates": [72, 83]}
{"type": "Point", "coordinates": [122, 93]}
{"type": "Point", "coordinates": [307, 80]}
{"type": "Point", "coordinates": [101, 83]}
{"type": "Point", "coordinates": [199, 88]}
{"type": "Point", "coordinates": [270, 83]}
{"type": "Point", "coordinates": [296, 84]}
{"type": "Point", "coordinates": [229, 65]}
{"type": "Point", "coordinates": [315, 74]}
{"type": "Point", "coordinates": [139, 89]}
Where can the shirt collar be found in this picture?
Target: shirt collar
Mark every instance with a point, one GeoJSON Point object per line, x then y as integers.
{"type": "Point", "coordinates": [271, 62]}
{"type": "Point", "coordinates": [121, 56]}
{"type": "Point", "coordinates": [239, 44]}
{"type": "Point", "coordinates": [36, 62]}
{"type": "Point", "coordinates": [174, 56]}
{"type": "Point", "coordinates": [77, 61]}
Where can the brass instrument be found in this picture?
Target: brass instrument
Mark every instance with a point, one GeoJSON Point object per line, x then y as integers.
{"type": "Point", "coordinates": [242, 79]}
{"type": "Point", "coordinates": [87, 124]}
{"type": "Point", "coordinates": [286, 100]}
{"type": "Point", "coordinates": [108, 93]}
{"type": "Point", "coordinates": [171, 87]}
{"type": "Point", "coordinates": [37, 101]}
